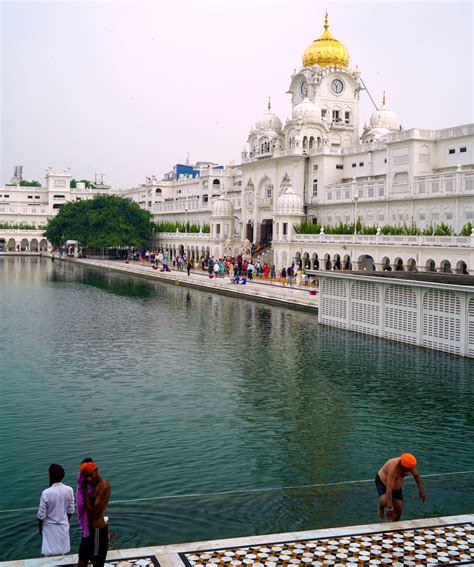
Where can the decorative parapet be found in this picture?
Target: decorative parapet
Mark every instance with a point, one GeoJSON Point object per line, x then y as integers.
{"type": "Point", "coordinates": [187, 235]}
{"type": "Point", "coordinates": [388, 240]}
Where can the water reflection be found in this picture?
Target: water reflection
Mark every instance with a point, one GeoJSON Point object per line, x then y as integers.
{"type": "Point", "coordinates": [177, 391]}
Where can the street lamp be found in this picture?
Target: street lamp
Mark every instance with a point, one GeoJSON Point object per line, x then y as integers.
{"type": "Point", "coordinates": [356, 198]}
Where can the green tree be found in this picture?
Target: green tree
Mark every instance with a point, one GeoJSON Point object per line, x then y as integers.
{"type": "Point", "coordinates": [103, 222]}
{"type": "Point", "coordinates": [88, 184]}
{"type": "Point", "coordinates": [32, 183]}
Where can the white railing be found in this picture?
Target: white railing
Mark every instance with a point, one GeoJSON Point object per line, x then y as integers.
{"type": "Point", "coordinates": [347, 191]}
{"type": "Point", "coordinates": [219, 173]}
{"type": "Point", "coordinates": [372, 146]}
{"type": "Point", "coordinates": [180, 207]}
{"type": "Point", "coordinates": [437, 184]}
{"type": "Point", "coordinates": [464, 130]}
{"type": "Point", "coordinates": [4, 232]}
{"type": "Point", "coordinates": [186, 235]}
{"type": "Point", "coordinates": [414, 133]}
{"type": "Point", "coordinates": [399, 240]}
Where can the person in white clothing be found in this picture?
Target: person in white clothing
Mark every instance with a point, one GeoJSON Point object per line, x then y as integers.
{"type": "Point", "coordinates": [55, 509]}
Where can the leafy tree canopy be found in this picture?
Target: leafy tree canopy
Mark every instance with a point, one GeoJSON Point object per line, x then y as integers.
{"type": "Point", "coordinates": [103, 222]}
{"type": "Point", "coordinates": [32, 183]}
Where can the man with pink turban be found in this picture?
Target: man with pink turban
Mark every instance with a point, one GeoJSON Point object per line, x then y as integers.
{"type": "Point", "coordinates": [94, 498]}
{"type": "Point", "coordinates": [389, 481]}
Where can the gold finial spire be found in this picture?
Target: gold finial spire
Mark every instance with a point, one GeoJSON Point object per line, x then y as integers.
{"type": "Point", "coordinates": [326, 21]}
{"type": "Point", "coordinates": [269, 106]}
{"type": "Point", "coordinates": [383, 99]}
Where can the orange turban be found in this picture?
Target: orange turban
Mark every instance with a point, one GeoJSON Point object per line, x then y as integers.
{"type": "Point", "coordinates": [87, 468]}
{"type": "Point", "coordinates": [407, 460]}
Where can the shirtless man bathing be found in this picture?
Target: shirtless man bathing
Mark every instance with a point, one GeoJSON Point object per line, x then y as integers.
{"type": "Point", "coordinates": [389, 481]}
{"type": "Point", "coordinates": [94, 547]}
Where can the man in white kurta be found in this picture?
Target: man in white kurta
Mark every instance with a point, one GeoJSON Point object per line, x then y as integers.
{"type": "Point", "coordinates": [55, 509]}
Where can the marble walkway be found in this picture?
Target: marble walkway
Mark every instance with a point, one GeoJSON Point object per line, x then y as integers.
{"type": "Point", "coordinates": [435, 541]}
{"type": "Point", "coordinates": [299, 297]}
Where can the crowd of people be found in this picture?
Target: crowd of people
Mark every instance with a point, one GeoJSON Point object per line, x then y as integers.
{"type": "Point", "coordinates": [236, 268]}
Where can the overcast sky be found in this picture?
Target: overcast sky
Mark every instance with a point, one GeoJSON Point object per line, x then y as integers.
{"type": "Point", "coordinates": [129, 89]}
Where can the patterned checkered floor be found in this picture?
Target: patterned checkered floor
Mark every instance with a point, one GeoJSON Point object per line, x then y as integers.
{"type": "Point", "coordinates": [134, 562]}
{"type": "Point", "coordinates": [437, 545]}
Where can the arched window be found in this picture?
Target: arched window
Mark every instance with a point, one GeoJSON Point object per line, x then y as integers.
{"type": "Point", "coordinates": [311, 143]}
{"type": "Point", "coordinates": [336, 114]}
{"type": "Point", "coordinates": [158, 190]}
{"type": "Point", "coordinates": [448, 214]}
{"type": "Point", "coordinates": [285, 182]}
{"type": "Point", "coordinates": [400, 178]}
{"type": "Point", "coordinates": [424, 154]}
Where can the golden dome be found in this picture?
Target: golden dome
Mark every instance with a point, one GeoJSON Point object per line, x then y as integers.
{"type": "Point", "coordinates": [326, 51]}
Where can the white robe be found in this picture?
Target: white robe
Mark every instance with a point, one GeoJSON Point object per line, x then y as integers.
{"type": "Point", "coordinates": [55, 504]}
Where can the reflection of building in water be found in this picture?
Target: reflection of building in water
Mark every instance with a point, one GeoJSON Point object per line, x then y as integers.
{"type": "Point", "coordinates": [318, 166]}
{"type": "Point", "coordinates": [25, 269]}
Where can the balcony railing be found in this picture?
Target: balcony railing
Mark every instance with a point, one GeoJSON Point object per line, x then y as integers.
{"type": "Point", "coordinates": [387, 240]}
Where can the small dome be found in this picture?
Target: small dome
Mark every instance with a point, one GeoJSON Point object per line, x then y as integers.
{"type": "Point", "coordinates": [290, 203]}
{"type": "Point", "coordinates": [326, 51]}
{"type": "Point", "coordinates": [385, 118]}
{"type": "Point", "coordinates": [306, 110]}
{"type": "Point", "coordinates": [222, 207]}
{"type": "Point", "coordinates": [269, 120]}
{"type": "Point", "coordinates": [376, 134]}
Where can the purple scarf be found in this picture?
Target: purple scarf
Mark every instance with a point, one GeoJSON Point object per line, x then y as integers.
{"type": "Point", "coordinates": [81, 505]}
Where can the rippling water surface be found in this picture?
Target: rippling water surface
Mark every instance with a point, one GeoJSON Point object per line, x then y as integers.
{"type": "Point", "coordinates": [179, 392]}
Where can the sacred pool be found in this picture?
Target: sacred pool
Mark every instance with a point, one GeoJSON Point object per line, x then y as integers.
{"type": "Point", "coordinates": [210, 416]}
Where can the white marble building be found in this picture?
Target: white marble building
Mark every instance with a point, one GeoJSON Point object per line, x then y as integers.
{"type": "Point", "coordinates": [34, 206]}
{"type": "Point", "coordinates": [380, 174]}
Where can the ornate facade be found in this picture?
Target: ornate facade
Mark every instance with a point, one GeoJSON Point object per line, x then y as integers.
{"type": "Point", "coordinates": [320, 158]}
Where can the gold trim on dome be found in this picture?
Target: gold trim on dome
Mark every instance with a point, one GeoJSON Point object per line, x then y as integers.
{"type": "Point", "coordinates": [326, 51]}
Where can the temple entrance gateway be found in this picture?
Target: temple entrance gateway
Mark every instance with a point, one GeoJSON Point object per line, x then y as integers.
{"type": "Point", "coordinates": [266, 231]}
{"type": "Point", "coordinates": [249, 231]}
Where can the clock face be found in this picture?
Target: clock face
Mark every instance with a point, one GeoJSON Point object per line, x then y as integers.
{"type": "Point", "coordinates": [303, 88]}
{"type": "Point", "coordinates": [337, 86]}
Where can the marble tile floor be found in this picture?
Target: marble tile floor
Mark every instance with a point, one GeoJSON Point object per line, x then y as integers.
{"type": "Point", "coordinates": [285, 295]}
{"type": "Point", "coordinates": [443, 545]}
{"type": "Point", "coordinates": [443, 541]}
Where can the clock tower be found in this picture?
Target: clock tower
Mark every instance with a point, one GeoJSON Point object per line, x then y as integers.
{"type": "Point", "coordinates": [326, 80]}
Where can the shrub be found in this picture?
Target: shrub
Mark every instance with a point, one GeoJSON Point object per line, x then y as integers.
{"type": "Point", "coordinates": [172, 226]}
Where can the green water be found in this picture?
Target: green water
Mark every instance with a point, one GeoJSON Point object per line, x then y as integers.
{"type": "Point", "coordinates": [178, 392]}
